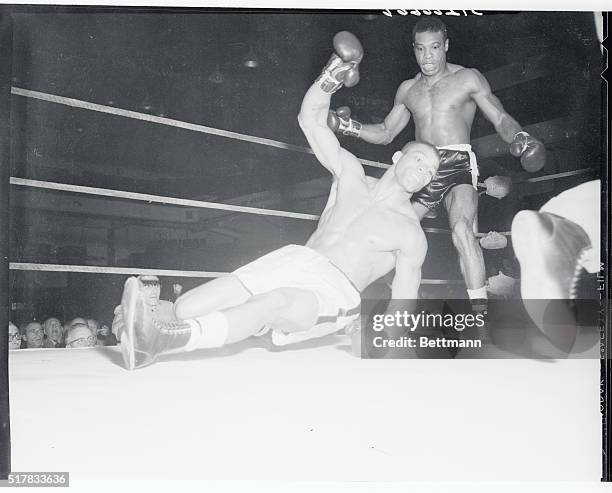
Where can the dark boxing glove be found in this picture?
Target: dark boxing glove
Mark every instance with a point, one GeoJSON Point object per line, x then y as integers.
{"type": "Point", "coordinates": [343, 66]}
{"type": "Point", "coordinates": [340, 121]}
{"type": "Point", "coordinates": [530, 150]}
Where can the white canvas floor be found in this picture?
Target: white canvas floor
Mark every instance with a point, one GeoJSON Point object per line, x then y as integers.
{"type": "Point", "coordinates": [315, 413]}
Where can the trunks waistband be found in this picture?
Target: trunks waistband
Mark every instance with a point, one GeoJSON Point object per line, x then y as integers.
{"type": "Point", "coordinates": [455, 147]}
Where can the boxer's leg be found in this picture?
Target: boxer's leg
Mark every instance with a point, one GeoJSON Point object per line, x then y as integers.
{"type": "Point", "coordinates": [292, 309]}
{"type": "Point", "coordinates": [145, 338]}
{"type": "Point", "coordinates": [461, 203]}
{"type": "Point", "coordinates": [218, 294]}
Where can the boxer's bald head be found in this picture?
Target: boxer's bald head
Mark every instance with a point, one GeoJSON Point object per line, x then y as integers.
{"type": "Point", "coordinates": [415, 165]}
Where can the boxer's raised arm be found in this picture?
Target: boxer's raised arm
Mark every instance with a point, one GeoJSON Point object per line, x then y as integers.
{"type": "Point", "coordinates": [342, 69]}
{"type": "Point", "coordinates": [313, 121]}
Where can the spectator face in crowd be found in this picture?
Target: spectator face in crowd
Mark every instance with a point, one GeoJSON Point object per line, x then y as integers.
{"type": "Point", "coordinates": [80, 335]}
{"type": "Point", "coordinates": [14, 337]}
{"type": "Point", "coordinates": [152, 290]}
{"type": "Point", "coordinates": [77, 320]}
{"type": "Point", "coordinates": [34, 335]}
{"type": "Point", "coordinates": [54, 331]}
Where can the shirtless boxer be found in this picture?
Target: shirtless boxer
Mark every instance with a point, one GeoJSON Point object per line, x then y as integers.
{"type": "Point", "coordinates": [443, 98]}
{"type": "Point", "coordinates": [367, 228]}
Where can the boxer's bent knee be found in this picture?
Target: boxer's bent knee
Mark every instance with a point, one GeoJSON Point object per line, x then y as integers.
{"type": "Point", "coordinates": [296, 309]}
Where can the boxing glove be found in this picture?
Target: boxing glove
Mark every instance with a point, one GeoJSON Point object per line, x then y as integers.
{"type": "Point", "coordinates": [531, 151]}
{"type": "Point", "coordinates": [343, 66]}
{"type": "Point", "coordinates": [340, 121]}
{"type": "Point", "coordinates": [498, 186]}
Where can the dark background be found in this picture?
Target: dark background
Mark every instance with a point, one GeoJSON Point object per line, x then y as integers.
{"type": "Point", "coordinates": [544, 67]}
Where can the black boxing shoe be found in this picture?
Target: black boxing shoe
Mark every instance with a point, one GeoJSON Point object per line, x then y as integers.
{"type": "Point", "coordinates": [144, 337]}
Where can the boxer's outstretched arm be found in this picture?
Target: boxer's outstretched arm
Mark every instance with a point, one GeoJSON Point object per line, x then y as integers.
{"type": "Point", "coordinates": [313, 121]}
{"type": "Point", "coordinates": [394, 123]}
{"type": "Point", "coordinates": [506, 126]}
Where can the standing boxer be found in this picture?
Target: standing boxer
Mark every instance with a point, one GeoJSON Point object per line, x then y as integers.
{"type": "Point", "coordinates": [443, 99]}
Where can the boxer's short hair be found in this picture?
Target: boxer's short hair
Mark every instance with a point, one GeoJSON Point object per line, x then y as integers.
{"type": "Point", "coordinates": [431, 25]}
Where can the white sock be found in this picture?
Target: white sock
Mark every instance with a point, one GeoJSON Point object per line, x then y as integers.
{"type": "Point", "coordinates": [478, 294]}
{"type": "Point", "coordinates": [209, 331]}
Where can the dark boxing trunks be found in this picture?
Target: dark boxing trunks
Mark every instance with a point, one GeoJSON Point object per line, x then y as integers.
{"type": "Point", "coordinates": [457, 167]}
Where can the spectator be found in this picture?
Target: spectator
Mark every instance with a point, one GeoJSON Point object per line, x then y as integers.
{"type": "Point", "coordinates": [106, 337]}
{"type": "Point", "coordinates": [14, 337]}
{"type": "Point", "coordinates": [94, 326]}
{"type": "Point", "coordinates": [80, 335]}
{"type": "Point", "coordinates": [34, 335]}
{"type": "Point", "coordinates": [54, 332]}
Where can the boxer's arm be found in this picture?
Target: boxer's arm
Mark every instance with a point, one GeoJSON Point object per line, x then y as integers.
{"type": "Point", "coordinates": [394, 123]}
{"type": "Point", "coordinates": [327, 149]}
{"type": "Point", "coordinates": [408, 265]}
{"type": "Point", "coordinates": [506, 126]}
{"type": "Point", "coordinates": [407, 279]}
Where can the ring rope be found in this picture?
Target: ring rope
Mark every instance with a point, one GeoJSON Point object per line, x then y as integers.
{"type": "Point", "coordinates": [158, 198]}
{"type": "Point", "coordinates": [172, 200]}
{"type": "Point", "coordinates": [111, 110]}
{"type": "Point", "coordinates": [91, 269]}
{"type": "Point", "coordinates": [78, 103]}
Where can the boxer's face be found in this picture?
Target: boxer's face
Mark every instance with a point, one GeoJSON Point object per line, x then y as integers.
{"type": "Point", "coordinates": [54, 330]}
{"type": "Point", "coordinates": [417, 167]}
{"type": "Point", "coordinates": [34, 335]}
{"type": "Point", "coordinates": [430, 51]}
{"type": "Point", "coordinates": [14, 337]}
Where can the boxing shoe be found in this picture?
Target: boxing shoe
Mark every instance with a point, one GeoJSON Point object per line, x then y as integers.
{"type": "Point", "coordinates": [144, 336]}
{"type": "Point", "coordinates": [549, 249]}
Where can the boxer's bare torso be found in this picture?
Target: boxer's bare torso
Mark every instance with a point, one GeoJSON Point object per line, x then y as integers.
{"type": "Point", "coordinates": [443, 110]}
{"type": "Point", "coordinates": [361, 230]}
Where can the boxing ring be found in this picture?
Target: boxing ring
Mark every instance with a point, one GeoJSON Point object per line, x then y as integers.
{"type": "Point", "coordinates": [314, 413]}
{"type": "Point", "coordinates": [311, 412]}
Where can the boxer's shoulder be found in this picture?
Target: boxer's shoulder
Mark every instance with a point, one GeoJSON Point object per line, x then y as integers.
{"type": "Point", "coordinates": [404, 88]}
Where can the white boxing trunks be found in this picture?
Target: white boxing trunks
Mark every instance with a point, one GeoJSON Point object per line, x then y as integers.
{"type": "Point", "coordinates": [297, 266]}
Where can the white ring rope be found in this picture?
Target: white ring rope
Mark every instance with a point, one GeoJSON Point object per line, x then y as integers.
{"type": "Point", "coordinates": [91, 269]}
{"type": "Point", "coordinates": [158, 198]}
{"type": "Point", "coordinates": [111, 110]}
